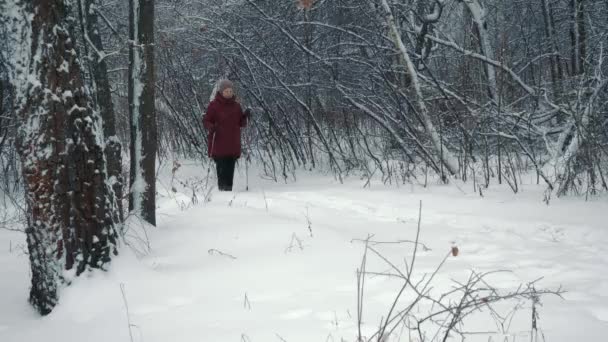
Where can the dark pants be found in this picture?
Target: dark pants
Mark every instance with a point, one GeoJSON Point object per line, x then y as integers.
{"type": "Point", "coordinates": [225, 172]}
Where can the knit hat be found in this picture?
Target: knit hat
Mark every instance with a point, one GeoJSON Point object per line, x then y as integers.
{"type": "Point", "coordinates": [224, 84]}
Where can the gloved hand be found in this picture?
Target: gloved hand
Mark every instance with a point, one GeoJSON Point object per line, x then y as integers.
{"type": "Point", "coordinates": [247, 112]}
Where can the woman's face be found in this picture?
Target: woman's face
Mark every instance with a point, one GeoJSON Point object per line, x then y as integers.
{"type": "Point", "coordinates": [228, 93]}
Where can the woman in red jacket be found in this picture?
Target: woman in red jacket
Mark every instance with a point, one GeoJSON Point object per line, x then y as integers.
{"type": "Point", "coordinates": [223, 121]}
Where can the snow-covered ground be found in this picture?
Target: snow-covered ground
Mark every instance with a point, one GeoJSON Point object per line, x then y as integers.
{"type": "Point", "coordinates": [278, 263]}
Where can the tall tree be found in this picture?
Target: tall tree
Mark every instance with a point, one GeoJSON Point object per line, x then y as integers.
{"type": "Point", "coordinates": [99, 71]}
{"type": "Point", "coordinates": [142, 199]}
{"type": "Point", "coordinates": [478, 12]}
{"type": "Point", "coordinates": [71, 211]}
{"type": "Point", "coordinates": [557, 73]}
{"type": "Point", "coordinates": [446, 158]}
{"type": "Point", "coordinates": [578, 36]}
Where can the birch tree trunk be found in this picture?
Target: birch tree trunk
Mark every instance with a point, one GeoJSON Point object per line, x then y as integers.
{"type": "Point", "coordinates": [445, 156]}
{"type": "Point", "coordinates": [142, 199]}
{"type": "Point", "coordinates": [71, 209]}
{"type": "Point", "coordinates": [563, 162]}
{"type": "Point", "coordinates": [478, 13]}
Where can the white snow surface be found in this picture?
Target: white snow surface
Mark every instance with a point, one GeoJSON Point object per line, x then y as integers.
{"type": "Point", "coordinates": [274, 282]}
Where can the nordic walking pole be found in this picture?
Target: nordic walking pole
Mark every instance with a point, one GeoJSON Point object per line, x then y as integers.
{"type": "Point", "coordinates": [248, 158]}
{"type": "Point", "coordinates": [211, 155]}
{"type": "Point", "coordinates": [212, 144]}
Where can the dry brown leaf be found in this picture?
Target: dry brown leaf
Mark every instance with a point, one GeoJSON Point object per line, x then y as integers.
{"type": "Point", "coordinates": [305, 4]}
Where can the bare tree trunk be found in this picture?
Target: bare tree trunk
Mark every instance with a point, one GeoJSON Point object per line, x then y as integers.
{"type": "Point", "coordinates": [557, 73]}
{"type": "Point", "coordinates": [71, 211]}
{"type": "Point", "coordinates": [307, 43]}
{"type": "Point", "coordinates": [3, 131]}
{"type": "Point", "coordinates": [445, 156]}
{"type": "Point", "coordinates": [99, 71]}
{"type": "Point", "coordinates": [578, 35]}
{"type": "Point", "coordinates": [478, 13]}
{"type": "Point", "coordinates": [142, 199]}
{"type": "Point", "coordinates": [563, 161]}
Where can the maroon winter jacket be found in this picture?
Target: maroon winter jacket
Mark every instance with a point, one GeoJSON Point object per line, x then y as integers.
{"type": "Point", "coordinates": [223, 121]}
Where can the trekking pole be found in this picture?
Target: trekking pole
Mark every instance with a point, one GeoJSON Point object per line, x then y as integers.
{"type": "Point", "coordinates": [246, 175]}
{"type": "Point", "coordinates": [212, 145]}
{"type": "Point", "coordinates": [248, 141]}
{"type": "Point", "coordinates": [211, 155]}
{"type": "Point", "coordinates": [247, 159]}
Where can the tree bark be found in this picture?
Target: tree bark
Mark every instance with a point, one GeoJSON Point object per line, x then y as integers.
{"type": "Point", "coordinates": [445, 156]}
{"type": "Point", "coordinates": [578, 35]}
{"type": "Point", "coordinates": [478, 13]}
{"type": "Point", "coordinates": [99, 72]}
{"type": "Point", "coordinates": [143, 148]}
{"type": "Point", "coordinates": [71, 209]}
{"type": "Point", "coordinates": [557, 74]}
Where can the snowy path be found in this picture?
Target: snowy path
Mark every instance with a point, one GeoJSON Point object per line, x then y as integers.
{"type": "Point", "coordinates": [275, 289]}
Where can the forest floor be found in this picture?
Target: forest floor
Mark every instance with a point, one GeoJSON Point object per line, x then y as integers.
{"type": "Point", "coordinates": [279, 263]}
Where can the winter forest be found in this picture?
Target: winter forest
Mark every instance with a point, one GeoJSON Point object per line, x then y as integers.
{"type": "Point", "coordinates": [304, 170]}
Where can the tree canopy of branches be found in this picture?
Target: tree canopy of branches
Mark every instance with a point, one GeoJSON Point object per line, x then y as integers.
{"type": "Point", "coordinates": [467, 89]}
